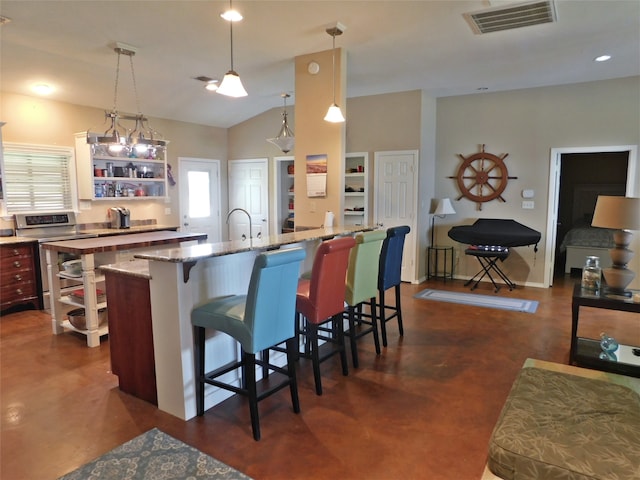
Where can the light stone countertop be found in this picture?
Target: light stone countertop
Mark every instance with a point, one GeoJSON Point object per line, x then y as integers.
{"type": "Point", "coordinates": [206, 250]}
{"type": "Point", "coordinates": [13, 240]}
{"type": "Point", "coordinates": [133, 268]}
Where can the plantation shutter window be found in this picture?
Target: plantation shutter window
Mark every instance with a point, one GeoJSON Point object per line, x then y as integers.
{"type": "Point", "coordinates": [38, 178]}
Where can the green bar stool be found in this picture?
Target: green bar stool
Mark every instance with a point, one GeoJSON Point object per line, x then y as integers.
{"type": "Point", "coordinates": [362, 289]}
{"type": "Point", "coordinates": [262, 318]}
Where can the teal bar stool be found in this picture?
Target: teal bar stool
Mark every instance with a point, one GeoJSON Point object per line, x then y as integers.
{"type": "Point", "coordinates": [362, 289]}
{"type": "Point", "coordinates": [259, 320]}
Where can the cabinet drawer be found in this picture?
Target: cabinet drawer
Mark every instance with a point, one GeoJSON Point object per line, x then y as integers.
{"type": "Point", "coordinates": [15, 293]}
{"type": "Point", "coordinates": [15, 265]}
{"type": "Point", "coordinates": [10, 252]}
{"type": "Point", "coordinates": [19, 281]}
{"type": "Point", "coordinates": [13, 276]}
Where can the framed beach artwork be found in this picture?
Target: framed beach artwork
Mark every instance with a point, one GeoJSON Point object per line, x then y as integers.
{"type": "Point", "coordinates": [317, 175]}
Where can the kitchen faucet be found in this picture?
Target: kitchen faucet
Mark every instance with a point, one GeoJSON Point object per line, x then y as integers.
{"type": "Point", "coordinates": [248, 216]}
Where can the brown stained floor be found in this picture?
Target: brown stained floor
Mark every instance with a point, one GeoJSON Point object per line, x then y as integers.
{"type": "Point", "coordinates": [424, 409]}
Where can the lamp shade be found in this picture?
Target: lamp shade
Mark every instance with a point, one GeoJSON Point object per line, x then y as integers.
{"type": "Point", "coordinates": [231, 85]}
{"type": "Point", "coordinates": [334, 114]}
{"type": "Point", "coordinates": [444, 208]}
{"type": "Point", "coordinates": [617, 212]}
{"type": "Point", "coordinates": [284, 143]}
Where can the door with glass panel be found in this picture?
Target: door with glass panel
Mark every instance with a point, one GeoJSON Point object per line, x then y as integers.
{"type": "Point", "coordinates": [200, 197]}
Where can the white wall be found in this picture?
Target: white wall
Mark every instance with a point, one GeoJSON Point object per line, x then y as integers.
{"type": "Point", "coordinates": [527, 124]}
{"type": "Point", "coordinates": [40, 121]}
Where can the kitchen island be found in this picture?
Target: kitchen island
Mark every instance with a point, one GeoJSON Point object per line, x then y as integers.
{"type": "Point", "coordinates": [181, 278]}
{"type": "Point", "coordinates": [94, 252]}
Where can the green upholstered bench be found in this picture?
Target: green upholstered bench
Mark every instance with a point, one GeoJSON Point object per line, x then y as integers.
{"type": "Point", "coordinates": [570, 423]}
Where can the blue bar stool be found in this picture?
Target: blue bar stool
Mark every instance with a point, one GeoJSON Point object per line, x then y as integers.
{"type": "Point", "coordinates": [389, 276]}
{"type": "Point", "coordinates": [262, 318]}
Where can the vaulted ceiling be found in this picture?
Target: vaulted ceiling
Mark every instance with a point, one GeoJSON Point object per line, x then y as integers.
{"type": "Point", "coordinates": [391, 46]}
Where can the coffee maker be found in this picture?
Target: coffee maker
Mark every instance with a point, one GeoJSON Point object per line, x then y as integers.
{"type": "Point", "coordinates": [119, 217]}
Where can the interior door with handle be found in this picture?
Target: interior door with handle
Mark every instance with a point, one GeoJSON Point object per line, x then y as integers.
{"type": "Point", "coordinates": [248, 191]}
{"type": "Point", "coordinates": [396, 175]}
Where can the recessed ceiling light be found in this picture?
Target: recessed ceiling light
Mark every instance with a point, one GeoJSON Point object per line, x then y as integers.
{"type": "Point", "coordinates": [232, 15]}
{"type": "Point", "coordinates": [211, 85]}
{"type": "Point", "coordinates": [42, 89]}
{"type": "Point", "coordinates": [602, 58]}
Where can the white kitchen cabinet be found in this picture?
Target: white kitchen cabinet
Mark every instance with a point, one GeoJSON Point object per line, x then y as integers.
{"type": "Point", "coordinates": [356, 186]}
{"type": "Point", "coordinates": [125, 175]}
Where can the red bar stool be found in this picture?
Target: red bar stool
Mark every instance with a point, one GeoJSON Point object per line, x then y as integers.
{"type": "Point", "coordinates": [320, 300]}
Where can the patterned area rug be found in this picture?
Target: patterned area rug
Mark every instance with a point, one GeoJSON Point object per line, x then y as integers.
{"type": "Point", "coordinates": [154, 455]}
{"type": "Point", "coordinates": [489, 301]}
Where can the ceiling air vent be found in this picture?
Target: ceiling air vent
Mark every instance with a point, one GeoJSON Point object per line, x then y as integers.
{"type": "Point", "coordinates": [512, 16]}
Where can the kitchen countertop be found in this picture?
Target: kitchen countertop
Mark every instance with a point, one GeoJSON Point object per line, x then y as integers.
{"type": "Point", "coordinates": [100, 232]}
{"type": "Point", "coordinates": [83, 246]}
{"type": "Point", "coordinates": [16, 240]}
{"type": "Point", "coordinates": [105, 232]}
{"type": "Point", "coordinates": [133, 268]}
{"type": "Point", "coordinates": [272, 242]}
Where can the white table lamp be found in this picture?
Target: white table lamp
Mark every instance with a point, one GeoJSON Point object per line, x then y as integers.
{"type": "Point", "coordinates": [623, 215]}
{"type": "Point", "coordinates": [443, 209]}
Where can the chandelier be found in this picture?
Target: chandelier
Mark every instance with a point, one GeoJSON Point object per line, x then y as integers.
{"type": "Point", "coordinates": [285, 139]}
{"type": "Point", "coordinates": [141, 136]}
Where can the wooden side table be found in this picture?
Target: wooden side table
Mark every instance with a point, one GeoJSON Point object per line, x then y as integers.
{"type": "Point", "coordinates": [586, 351]}
{"type": "Point", "coordinates": [433, 262]}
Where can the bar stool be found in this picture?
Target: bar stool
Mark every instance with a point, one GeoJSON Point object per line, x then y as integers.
{"type": "Point", "coordinates": [389, 276]}
{"type": "Point", "coordinates": [362, 288]}
{"type": "Point", "coordinates": [262, 318]}
{"type": "Point", "coordinates": [320, 300]}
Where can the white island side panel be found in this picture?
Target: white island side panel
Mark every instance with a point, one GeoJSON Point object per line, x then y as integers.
{"type": "Point", "coordinates": [172, 301]}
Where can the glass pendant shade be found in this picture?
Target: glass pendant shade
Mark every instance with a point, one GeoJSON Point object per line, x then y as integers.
{"type": "Point", "coordinates": [285, 138]}
{"type": "Point", "coordinates": [231, 86]}
{"type": "Point", "coordinates": [334, 114]}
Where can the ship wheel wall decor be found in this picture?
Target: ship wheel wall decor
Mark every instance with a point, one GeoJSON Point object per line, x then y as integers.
{"type": "Point", "coordinates": [482, 177]}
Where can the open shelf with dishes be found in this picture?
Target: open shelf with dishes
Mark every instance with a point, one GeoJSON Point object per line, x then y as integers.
{"type": "Point", "coordinates": [285, 195]}
{"type": "Point", "coordinates": [121, 173]}
{"type": "Point", "coordinates": [356, 189]}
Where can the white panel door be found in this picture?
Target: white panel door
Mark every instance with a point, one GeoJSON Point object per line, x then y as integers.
{"type": "Point", "coordinates": [396, 176]}
{"type": "Point", "coordinates": [249, 191]}
{"type": "Point", "coordinates": [200, 196]}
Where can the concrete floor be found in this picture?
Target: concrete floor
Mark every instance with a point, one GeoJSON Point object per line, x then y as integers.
{"type": "Point", "coordinates": [424, 409]}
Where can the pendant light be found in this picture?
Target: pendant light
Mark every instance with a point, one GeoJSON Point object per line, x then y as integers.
{"type": "Point", "coordinates": [117, 137]}
{"type": "Point", "coordinates": [285, 139]}
{"type": "Point", "coordinates": [334, 114]}
{"type": "Point", "coordinates": [231, 86]}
